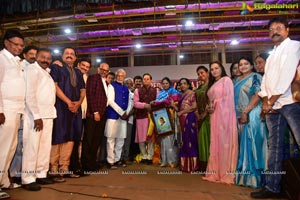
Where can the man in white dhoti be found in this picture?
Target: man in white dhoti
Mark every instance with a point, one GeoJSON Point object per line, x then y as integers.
{"type": "Point", "coordinates": [38, 122]}
{"type": "Point", "coordinates": [118, 108]}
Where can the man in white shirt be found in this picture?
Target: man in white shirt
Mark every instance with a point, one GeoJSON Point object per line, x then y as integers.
{"type": "Point", "coordinates": [12, 101]}
{"type": "Point", "coordinates": [29, 55]}
{"type": "Point", "coordinates": [279, 107]}
{"type": "Point", "coordinates": [38, 122]}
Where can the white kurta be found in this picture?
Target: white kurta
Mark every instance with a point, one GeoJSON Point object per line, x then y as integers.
{"type": "Point", "coordinates": [40, 100]}
{"type": "Point", "coordinates": [12, 103]}
{"type": "Point", "coordinates": [116, 128]}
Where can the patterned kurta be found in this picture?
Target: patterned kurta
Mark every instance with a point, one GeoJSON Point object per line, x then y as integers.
{"type": "Point", "coordinates": [67, 126]}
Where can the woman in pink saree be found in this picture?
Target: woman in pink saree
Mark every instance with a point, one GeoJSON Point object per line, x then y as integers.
{"type": "Point", "coordinates": [223, 127]}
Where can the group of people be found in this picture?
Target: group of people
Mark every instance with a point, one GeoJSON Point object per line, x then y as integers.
{"type": "Point", "coordinates": [57, 122]}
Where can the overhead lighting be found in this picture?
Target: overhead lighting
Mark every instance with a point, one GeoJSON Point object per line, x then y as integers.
{"type": "Point", "coordinates": [234, 42]}
{"type": "Point", "coordinates": [98, 60]}
{"type": "Point", "coordinates": [92, 20]}
{"type": "Point", "coordinates": [115, 49]}
{"type": "Point", "coordinates": [189, 23]}
{"type": "Point", "coordinates": [137, 31]}
{"type": "Point", "coordinates": [170, 13]}
{"type": "Point", "coordinates": [170, 7]}
{"type": "Point", "coordinates": [172, 45]}
{"type": "Point", "coordinates": [138, 46]}
{"type": "Point", "coordinates": [22, 28]}
{"type": "Point", "coordinates": [72, 37]}
{"type": "Point", "coordinates": [67, 31]}
{"type": "Point", "coordinates": [56, 51]}
{"type": "Point", "coordinates": [181, 56]}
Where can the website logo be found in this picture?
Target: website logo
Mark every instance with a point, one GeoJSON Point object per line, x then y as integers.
{"type": "Point", "coordinates": [246, 9]}
{"type": "Point", "coordinates": [278, 6]}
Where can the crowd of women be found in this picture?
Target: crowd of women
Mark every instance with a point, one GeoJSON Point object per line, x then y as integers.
{"type": "Point", "coordinates": [223, 134]}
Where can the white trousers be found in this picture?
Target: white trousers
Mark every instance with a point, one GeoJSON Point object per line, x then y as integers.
{"type": "Point", "coordinates": [147, 150]}
{"type": "Point", "coordinates": [16, 163]}
{"type": "Point", "coordinates": [114, 148]}
{"type": "Point", "coordinates": [36, 150]}
{"type": "Point", "coordinates": [8, 144]}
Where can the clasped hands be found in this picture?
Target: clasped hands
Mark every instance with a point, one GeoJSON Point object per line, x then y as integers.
{"type": "Point", "coordinates": [73, 106]}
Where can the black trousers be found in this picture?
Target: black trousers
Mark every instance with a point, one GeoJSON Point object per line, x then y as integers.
{"type": "Point", "coordinates": [92, 138]}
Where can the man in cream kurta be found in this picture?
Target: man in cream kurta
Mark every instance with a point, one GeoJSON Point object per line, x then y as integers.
{"type": "Point", "coordinates": [117, 111]}
{"type": "Point", "coordinates": [38, 122]}
{"type": "Point", "coordinates": [29, 54]}
{"type": "Point", "coordinates": [12, 101]}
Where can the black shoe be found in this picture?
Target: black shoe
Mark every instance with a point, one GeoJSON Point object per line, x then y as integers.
{"type": "Point", "coordinates": [16, 180]}
{"type": "Point", "coordinates": [44, 181]}
{"type": "Point", "coordinates": [80, 172]}
{"type": "Point", "coordinates": [113, 166]}
{"type": "Point", "coordinates": [264, 194]}
{"type": "Point", "coordinates": [149, 162]}
{"type": "Point", "coordinates": [32, 186]}
{"type": "Point", "coordinates": [144, 161]}
{"type": "Point", "coordinates": [121, 164]}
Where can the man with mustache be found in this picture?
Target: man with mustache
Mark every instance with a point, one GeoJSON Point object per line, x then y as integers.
{"type": "Point", "coordinates": [70, 92]}
{"type": "Point", "coordinates": [38, 122]}
{"type": "Point", "coordinates": [12, 101]}
{"type": "Point", "coordinates": [29, 55]}
{"type": "Point", "coordinates": [84, 66]}
{"type": "Point", "coordinates": [279, 107]}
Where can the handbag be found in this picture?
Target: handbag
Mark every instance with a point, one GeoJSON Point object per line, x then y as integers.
{"type": "Point", "coordinates": [296, 85]}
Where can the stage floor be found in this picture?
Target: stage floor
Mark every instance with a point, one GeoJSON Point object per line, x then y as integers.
{"type": "Point", "coordinates": [138, 182]}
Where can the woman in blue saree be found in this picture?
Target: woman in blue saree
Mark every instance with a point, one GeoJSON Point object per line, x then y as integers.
{"type": "Point", "coordinates": [252, 130]}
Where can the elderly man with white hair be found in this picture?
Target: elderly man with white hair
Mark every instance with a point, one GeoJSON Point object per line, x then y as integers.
{"type": "Point", "coordinates": [119, 106]}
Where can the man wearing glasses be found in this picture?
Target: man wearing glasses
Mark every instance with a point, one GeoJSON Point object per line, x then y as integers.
{"type": "Point", "coordinates": [279, 107]}
{"type": "Point", "coordinates": [12, 101]}
{"type": "Point", "coordinates": [96, 95]}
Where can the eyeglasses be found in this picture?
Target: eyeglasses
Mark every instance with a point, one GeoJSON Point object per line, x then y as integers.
{"type": "Point", "coordinates": [16, 44]}
{"type": "Point", "coordinates": [104, 70]}
{"type": "Point", "coordinates": [278, 29]}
